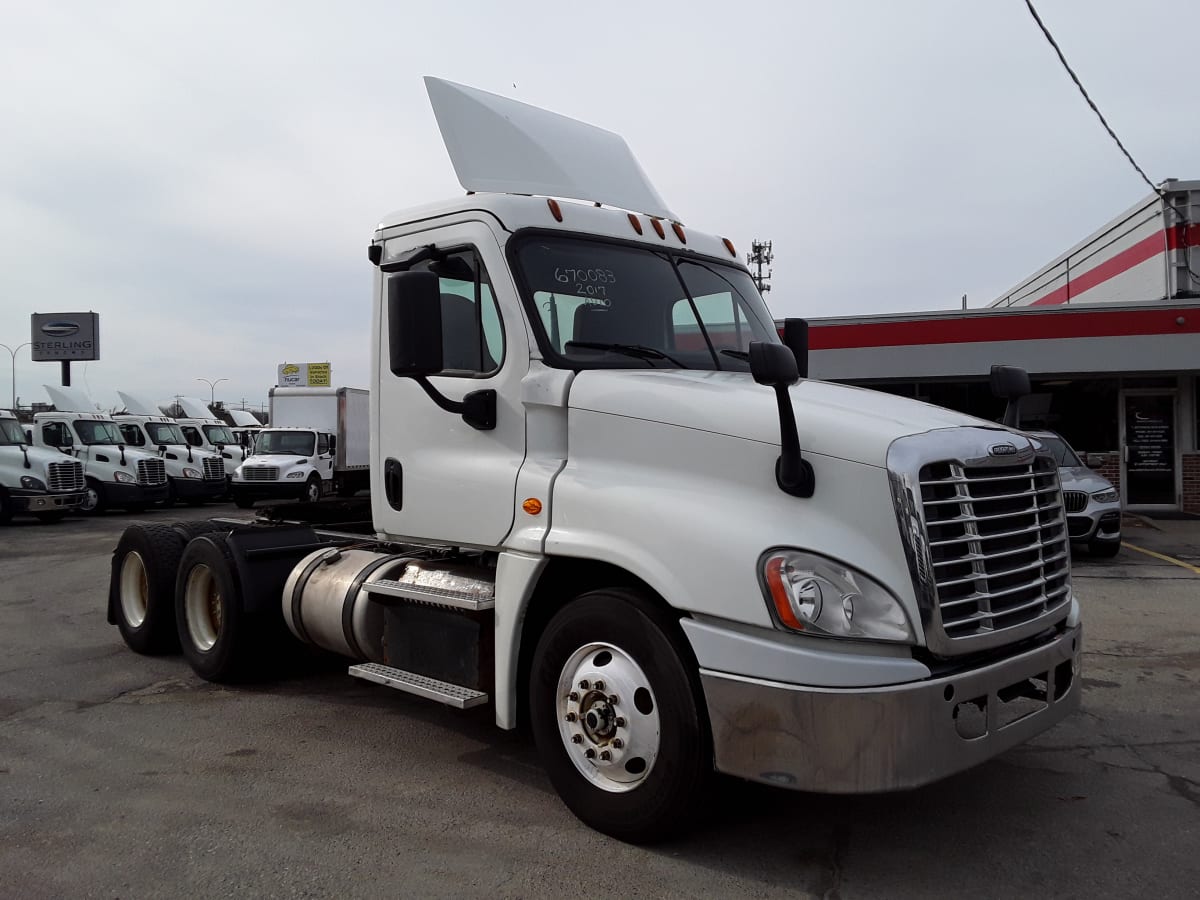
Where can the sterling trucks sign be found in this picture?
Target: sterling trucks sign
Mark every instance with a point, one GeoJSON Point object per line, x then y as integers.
{"type": "Point", "coordinates": [65, 336]}
{"type": "Point", "coordinates": [303, 375]}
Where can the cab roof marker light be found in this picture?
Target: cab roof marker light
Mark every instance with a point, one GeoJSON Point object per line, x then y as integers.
{"type": "Point", "coordinates": [658, 228]}
{"type": "Point", "coordinates": [678, 229]}
{"type": "Point", "coordinates": [636, 223]}
{"type": "Point", "coordinates": [729, 247]}
{"type": "Point", "coordinates": [555, 210]}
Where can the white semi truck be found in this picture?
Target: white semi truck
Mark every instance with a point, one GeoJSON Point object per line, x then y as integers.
{"type": "Point", "coordinates": [245, 428]}
{"type": "Point", "coordinates": [204, 430]}
{"type": "Point", "coordinates": [115, 475]}
{"type": "Point", "coordinates": [193, 475]}
{"type": "Point", "coordinates": [318, 443]}
{"type": "Point", "coordinates": [605, 501]}
{"type": "Point", "coordinates": [42, 483]}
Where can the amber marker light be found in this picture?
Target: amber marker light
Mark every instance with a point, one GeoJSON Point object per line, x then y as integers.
{"type": "Point", "coordinates": [678, 229]}
{"type": "Point", "coordinates": [636, 223]}
{"type": "Point", "coordinates": [533, 506]}
{"type": "Point", "coordinates": [779, 593]}
{"type": "Point", "coordinates": [658, 229]}
{"type": "Point", "coordinates": [554, 208]}
{"type": "Point", "coordinates": [729, 247]}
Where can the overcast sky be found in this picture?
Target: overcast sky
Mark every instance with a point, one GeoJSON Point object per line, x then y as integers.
{"type": "Point", "coordinates": [206, 176]}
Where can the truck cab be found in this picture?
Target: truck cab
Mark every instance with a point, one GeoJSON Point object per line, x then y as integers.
{"type": "Point", "coordinates": [287, 463]}
{"type": "Point", "coordinates": [203, 430]}
{"type": "Point", "coordinates": [35, 481]}
{"type": "Point", "coordinates": [193, 475]}
{"type": "Point", "coordinates": [115, 475]}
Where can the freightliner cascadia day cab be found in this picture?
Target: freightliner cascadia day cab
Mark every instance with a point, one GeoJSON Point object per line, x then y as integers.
{"type": "Point", "coordinates": [193, 475]}
{"type": "Point", "coordinates": [204, 430]}
{"type": "Point", "coordinates": [33, 480]}
{"type": "Point", "coordinates": [318, 443]}
{"type": "Point", "coordinates": [245, 428]}
{"type": "Point", "coordinates": [115, 475]}
{"type": "Point", "coordinates": [605, 503]}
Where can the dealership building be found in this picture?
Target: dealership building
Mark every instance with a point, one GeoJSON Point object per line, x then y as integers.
{"type": "Point", "coordinates": [1109, 332]}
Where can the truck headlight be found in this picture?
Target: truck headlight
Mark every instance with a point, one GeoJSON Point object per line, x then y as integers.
{"type": "Point", "coordinates": [299, 474]}
{"type": "Point", "coordinates": [123, 477]}
{"type": "Point", "coordinates": [1106, 496]}
{"type": "Point", "coordinates": [32, 484]}
{"type": "Point", "coordinates": [820, 596]}
{"type": "Point", "coordinates": [192, 473]}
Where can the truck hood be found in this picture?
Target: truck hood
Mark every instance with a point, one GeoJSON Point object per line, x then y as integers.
{"type": "Point", "coordinates": [833, 420]}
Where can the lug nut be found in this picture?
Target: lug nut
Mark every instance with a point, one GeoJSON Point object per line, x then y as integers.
{"type": "Point", "coordinates": [620, 722]}
{"type": "Point", "coordinates": [618, 743]}
{"type": "Point", "coordinates": [577, 739]}
{"type": "Point", "coordinates": [599, 685]}
{"type": "Point", "coordinates": [573, 697]}
{"type": "Point", "coordinates": [589, 753]}
{"type": "Point", "coordinates": [605, 755]}
{"type": "Point", "coordinates": [585, 684]}
{"type": "Point", "coordinates": [571, 717]}
{"type": "Point", "coordinates": [613, 699]}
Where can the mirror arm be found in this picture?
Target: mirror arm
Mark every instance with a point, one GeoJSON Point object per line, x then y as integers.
{"type": "Point", "coordinates": [793, 472]}
{"type": "Point", "coordinates": [478, 408]}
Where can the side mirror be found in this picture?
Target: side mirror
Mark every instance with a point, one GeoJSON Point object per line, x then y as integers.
{"type": "Point", "coordinates": [795, 338]}
{"type": "Point", "coordinates": [1010, 383]}
{"type": "Point", "coordinates": [773, 364]}
{"type": "Point", "coordinates": [333, 443]}
{"type": "Point", "coordinates": [414, 324]}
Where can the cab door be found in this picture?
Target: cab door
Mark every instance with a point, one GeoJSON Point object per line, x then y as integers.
{"type": "Point", "coordinates": [436, 477]}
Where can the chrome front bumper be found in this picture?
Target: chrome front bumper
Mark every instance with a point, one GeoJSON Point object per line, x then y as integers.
{"type": "Point", "coordinates": [873, 739]}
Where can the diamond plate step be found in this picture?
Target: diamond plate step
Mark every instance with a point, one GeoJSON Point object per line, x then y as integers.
{"type": "Point", "coordinates": [412, 683]}
{"type": "Point", "coordinates": [428, 594]}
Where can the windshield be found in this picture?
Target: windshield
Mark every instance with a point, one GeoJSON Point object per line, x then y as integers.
{"type": "Point", "coordinates": [92, 432]}
{"type": "Point", "coordinates": [219, 434]}
{"type": "Point", "coordinates": [298, 442]}
{"type": "Point", "coordinates": [604, 305]}
{"type": "Point", "coordinates": [1063, 454]}
{"type": "Point", "coordinates": [165, 433]}
{"type": "Point", "coordinates": [11, 433]}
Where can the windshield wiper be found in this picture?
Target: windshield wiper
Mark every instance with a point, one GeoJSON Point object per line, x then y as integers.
{"type": "Point", "coordinates": [737, 354]}
{"type": "Point", "coordinates": [638, 351]}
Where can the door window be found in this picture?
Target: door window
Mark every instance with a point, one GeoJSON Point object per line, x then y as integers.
{"type": "Point", "coordinates": [193, 435]}
{"type": "Point", "coordinates": [322, 444]}
{"type": "Point", "coordinates": [55, 434]}
{"type": "Point", "coordinates": [132, 434]}
{"type": "Point", "coordinates": [472, 333]}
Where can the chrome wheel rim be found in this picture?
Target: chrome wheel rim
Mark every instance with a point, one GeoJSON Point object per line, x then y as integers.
{"type": "Point", "coordinates": [203, 607]}
{"type": "Point", "coordinates": [608, 717]}
{"type": "Point", "coordinates": [135, 590]}
{"type": "Point", "coordinates": [91, 499]}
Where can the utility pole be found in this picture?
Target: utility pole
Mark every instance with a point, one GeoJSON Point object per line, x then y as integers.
{"type": "Point", "coordinates": [760, 255]}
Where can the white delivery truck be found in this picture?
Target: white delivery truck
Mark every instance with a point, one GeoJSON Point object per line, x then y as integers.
{"type": "Point", "coordinates": [204, 430]}
{"type": "Point", "coordinates": [318, 443]}
{"type": "Point", "coordinates": [115, 475]}
{"type": "Point", "coordinates": [193, 475]}
{"type": "Point", "coordinates": [605, 500]}
{"type": "Point", "coordinates": [43, 483]}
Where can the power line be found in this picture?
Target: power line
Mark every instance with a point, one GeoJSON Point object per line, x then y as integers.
{"type": "Point", "coordinates": [1103, 121]}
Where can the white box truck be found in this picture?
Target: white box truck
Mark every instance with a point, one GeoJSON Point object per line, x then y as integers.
{"type": "Point", "coordinates": [605, 500]}
{"type": "Point", "coordinates": [33, 480]}
{"type": "Point", "coordinates": [318, 443]}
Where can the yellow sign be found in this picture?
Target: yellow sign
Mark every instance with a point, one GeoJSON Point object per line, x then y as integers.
{"type": "Point", "coordinates": [319, 374]}
{"type": "Point", "coordinates": [305, 375]}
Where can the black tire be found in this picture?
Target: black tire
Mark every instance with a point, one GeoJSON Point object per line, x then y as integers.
{"type": "Point", "coordinates": [243, 502]}
{"type": "Point", "coordinates": [93, 502]}
{"type": "Point", "coordinates": [215, 633]}
{"type": "Point", "coordinates": [660, 803]}
{"type": "Point", "coordinates": [50, 517]}
{"type": "Point", "coordinates": [142, 587]}
{"type": "Point", "coordinates": [190, 530]}
{"type": "Point", "coordinates": [312, 490]}
{"type": "Point", "coordinates": [1105, 549]}
{"type": "Point", "coordinates": [6, 507]}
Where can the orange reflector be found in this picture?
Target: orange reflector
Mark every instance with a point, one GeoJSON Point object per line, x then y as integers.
{"type": "Point", "coordinates": [553, 204]}
{"type": "Point", "coordinates": [729, 247]}
{"type": "Point", "coordinates": [533, 506]}
{"type": "Point", "coordinates": [678, 229]}
{"type": "Point", "coordinates": [636, 223]}
{"type": "Point", "coordinates": [779, 593]}
{"type": "Point", "coordinates": [658, 228]}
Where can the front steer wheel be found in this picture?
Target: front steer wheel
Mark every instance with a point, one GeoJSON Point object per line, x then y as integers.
{"type": "Point", "coordinates": [617, 716]}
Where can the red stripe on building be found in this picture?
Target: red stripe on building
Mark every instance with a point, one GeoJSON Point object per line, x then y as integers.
{"type": "Point", "coordinates": [1004, 327]}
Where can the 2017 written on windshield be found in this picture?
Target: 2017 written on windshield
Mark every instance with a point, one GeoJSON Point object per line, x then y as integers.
{"type": "Point", "coordinates": [586, 282]}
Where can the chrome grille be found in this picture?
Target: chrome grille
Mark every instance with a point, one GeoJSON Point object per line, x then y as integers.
{"type": "Point", "coordinates": [1075, 501]}
{"type": "Point", "coordinates": [151, 471]}
{"type": "Point", "coordinates": [260, 473]}
{"type": "Point", "coordinates": [65, 476]}
{"type": "Point", "coordinates": [213, 468]}
{"type": "Point", "coordinates": [997, 544]}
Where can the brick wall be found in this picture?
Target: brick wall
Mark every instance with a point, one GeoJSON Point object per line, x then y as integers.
{"type": "Point", "coordinates": [1191, 481]}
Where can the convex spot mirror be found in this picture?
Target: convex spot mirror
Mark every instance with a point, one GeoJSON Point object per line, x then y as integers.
{"type": "Point", "coordinates": [414, 324]}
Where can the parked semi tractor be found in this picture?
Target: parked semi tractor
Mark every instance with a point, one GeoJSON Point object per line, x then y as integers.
{"type": "Point", "coordinates": [193, 475]}
{"type": "Point", "coordinates": [204, 430]}
{"type": "Point", "coordinates": [318, 443]}
{"type": "Point", "coordinates": [115, 475]}
{"type": "Point", "coordinates": [605, 502]}
{"type": "Point", "coordinates": [245, 428]}
{"type": "Point", "coordinates": [33, 480]}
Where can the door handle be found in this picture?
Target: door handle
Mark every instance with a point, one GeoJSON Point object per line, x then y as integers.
{"type": "Point", "coordinates": [393, 483]}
